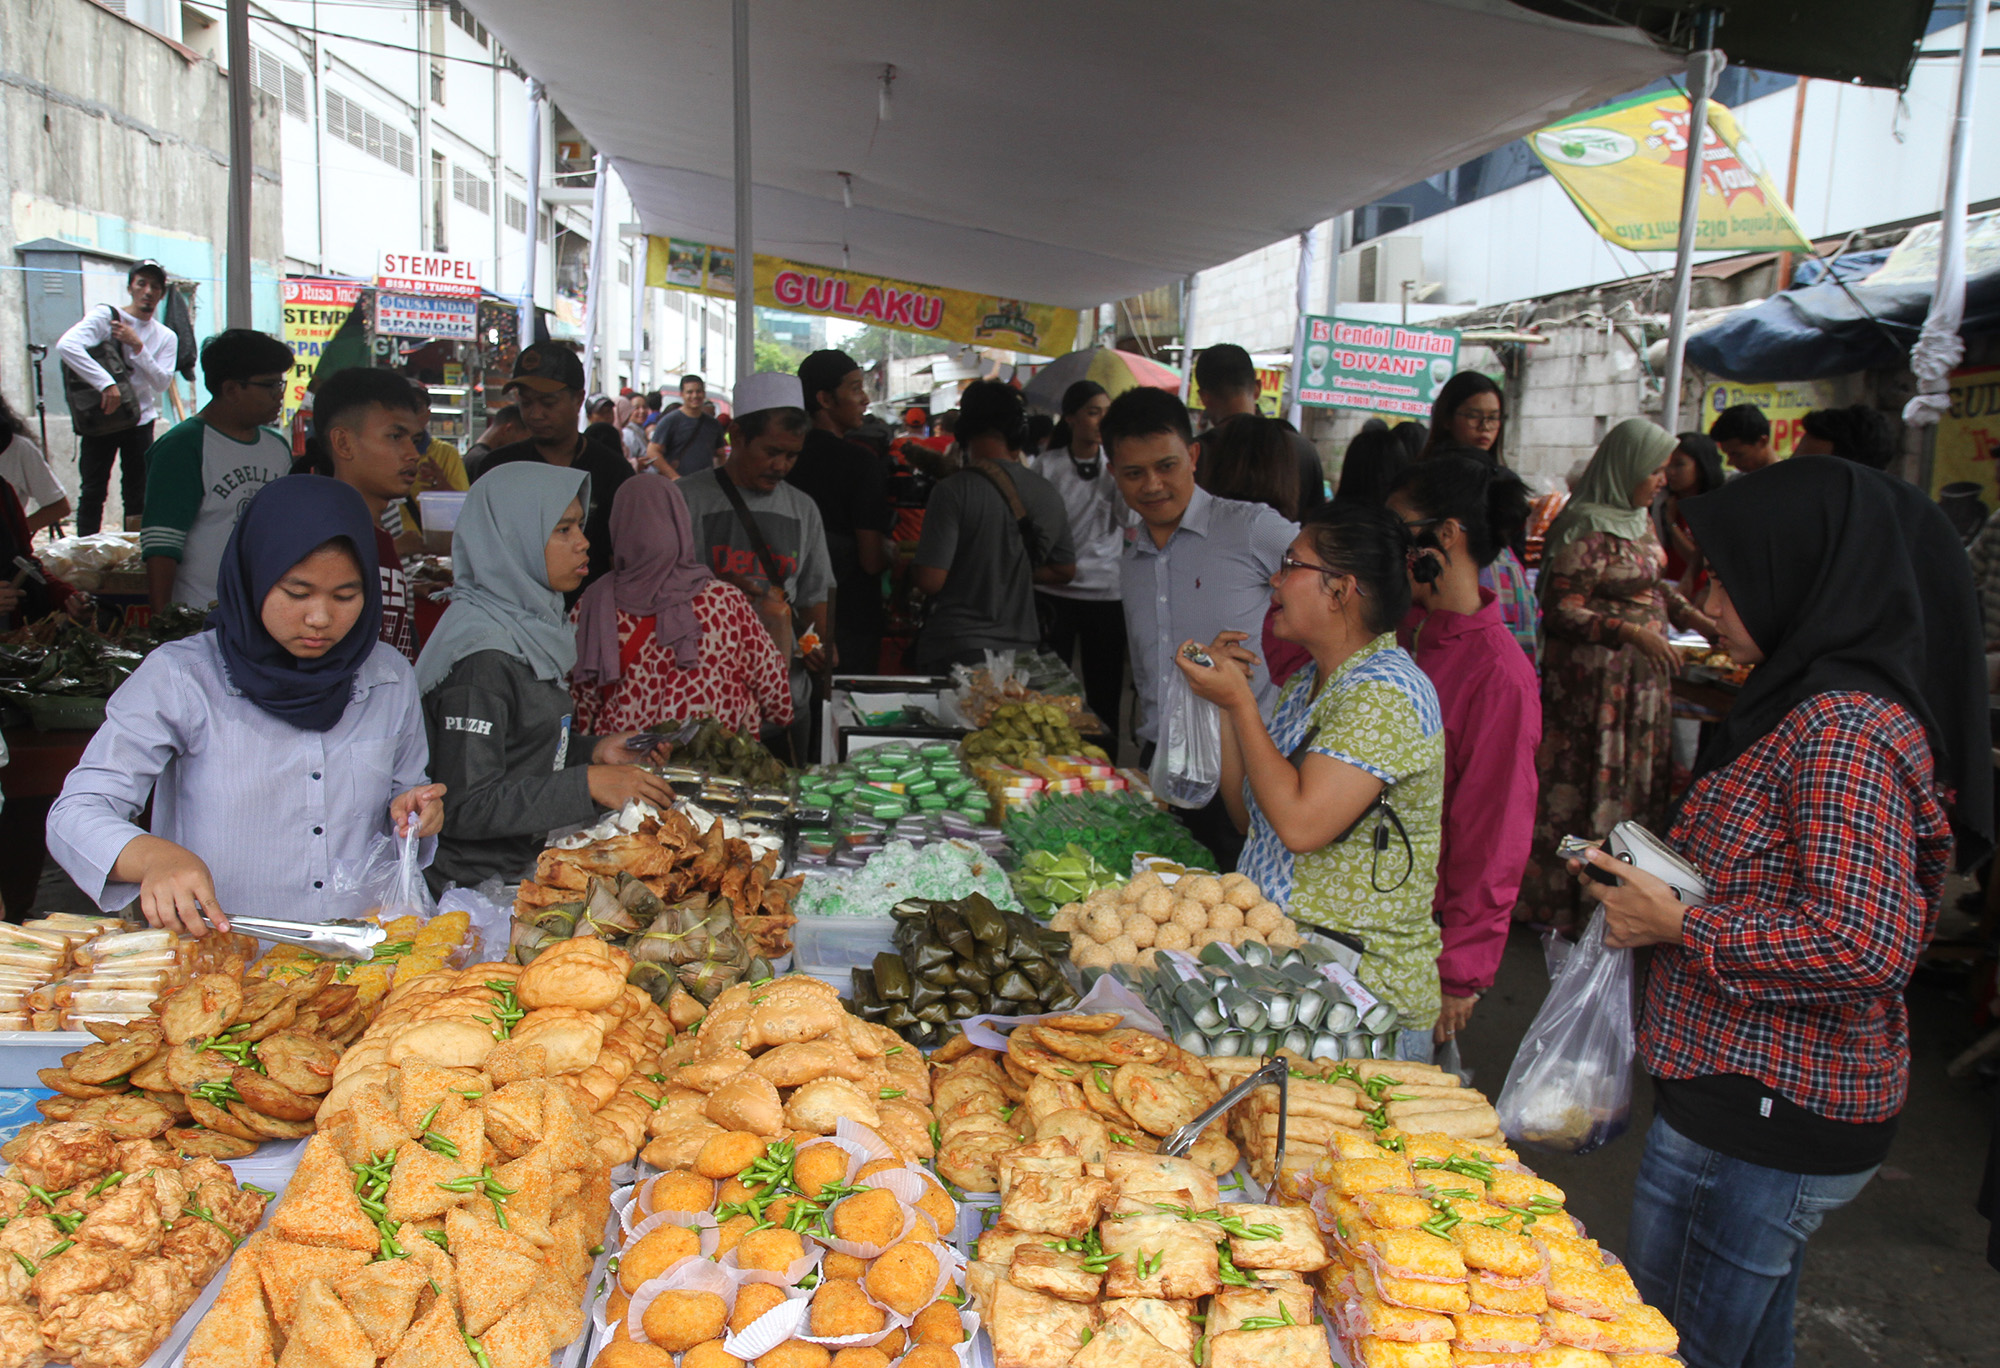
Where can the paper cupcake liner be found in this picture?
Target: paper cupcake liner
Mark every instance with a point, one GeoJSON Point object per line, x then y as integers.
{"type": "Point", "coordinates": [874, 1144]}
{"type": "Point", "coordinates": [782, 1322]}
{"type": "Point", "coordinates": [630, 1216]}
{"type": "Point", "coordinates": [950, 1265]}
{"type": "Point", "coordinates": [689, 1275]}
{"type": "Point", "coordinates": [789, 1278]}
{"type": "Point", "coordinates": [857, 1248]}
{"type": "Point", "coordinates": [701, 1222]}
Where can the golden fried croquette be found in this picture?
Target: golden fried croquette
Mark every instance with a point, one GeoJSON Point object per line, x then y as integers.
{"type": "Point", "coordinates": [616, 1305]}
{"type": "Point", "coordinates": [860, 1356]}
{"type": "Point", "coordinates": [937, 1323]}
{"type": "Point", "coordinates": [678, 1321]}
{"type": "Point", "coordinates": [752, 1301]}
{"type": "Point", "coordinates": [770, 1251]}
{"type": "Point", "coordinates": [873, 1217]}
{"type": "Point", "coordinates": [736, 1190]}
{"type": "Point", "coordinates": [893, 1342]}
{"type": "Point", "coordinates": [710, 1355]}
{"type": "Point", "coordinates": [629, 1354]}
{"type": "Point", "coordinates": [796, 1354]}
{"type": "Point", "coordinates": [903, 1278]}
{"type": "Point", "coordinates": [930, 1356]}
{"type": "Point", "coordinates": [875, 1166]}
{"type": "Point", "coordinates": [679, 1191]}
{"type": "Point", "coordinates": [937, 1204]}
{"type": "Point", "coordinates": [817, 1165]}
{"type": "Point", "coordinates": [837, 1265]}
{"type": "Point", "coordinates": [728, 1154]}
{"type": "Point", "coordinates": [840, 1307]}
{"type": "Point", "coordinates": [733, 1230]}
{"type": "Point", "coordinates": [654, 1253]}
{"type": "Point", "coordinates": [924, 1228]}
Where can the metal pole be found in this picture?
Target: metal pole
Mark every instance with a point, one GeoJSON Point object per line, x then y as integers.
{"type": "Point", "coordinates": [1187, 336]}
{"type": "Point", "coordinates": [593, 299]}
{"type": "Point", "coordinates": [534, 211]}
{"type": "Point", "coordinates": [1938, 347]}
{"type": "Point", "coordinates": [237, 273]}
{"type": "Point", "coordinates": [1294, 411]}
{"type": "Point", "coordinates": [746, 259]}
{"type": "Point", "coordinates": [1704, 66]}
{"type": "Point", "coordinates": [639, 312]}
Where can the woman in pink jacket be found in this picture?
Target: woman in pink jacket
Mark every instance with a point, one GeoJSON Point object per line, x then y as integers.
{"type": "Point", "coordinates": [1461, 513]}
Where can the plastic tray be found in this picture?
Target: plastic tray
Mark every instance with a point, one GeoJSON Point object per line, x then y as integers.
{"type": "Point", "coordinates": [173, 1349]}
{"type": "Point", "coordinates": [837, 944]}
{"type": "Point", "coordinates": [23, 1052]}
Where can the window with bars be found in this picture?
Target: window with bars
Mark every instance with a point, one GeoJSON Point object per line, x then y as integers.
{"type": "Point", "coordinates": [462, 16]}
{"type": "Point", "coordinates": [517, 213]}
{"type": "Point", "coordinates": [348, 121]}
{"type": "Point", "coordinates": [543, 226]}
{"type": "Point", "coordinates": [624, 273]}
{"type": "Point", "coordinates": [270, 75]}
{"type": "Point", "coordinates": [471, 189]}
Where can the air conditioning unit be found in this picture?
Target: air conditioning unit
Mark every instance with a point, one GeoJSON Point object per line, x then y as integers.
{"type": "Point", "coordinates": [1374, 272]}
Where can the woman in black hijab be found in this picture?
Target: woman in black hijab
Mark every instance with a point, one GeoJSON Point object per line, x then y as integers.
{"type": "Point", "coordinates": [1822, 817]}
{"type": "Point", "coordinates": [1694, 469]}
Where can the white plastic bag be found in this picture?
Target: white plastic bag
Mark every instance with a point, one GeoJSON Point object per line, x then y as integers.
{"type": "Point", "coordinates": [386, 882]}
{"type": "Point", "coordinates": [1570, 1086]}
{"type": "Point", "coordinates": [1187, 764]}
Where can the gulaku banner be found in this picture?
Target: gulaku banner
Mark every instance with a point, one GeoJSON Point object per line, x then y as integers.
{"type": "Point", "coordinates": [1624, 165]}
{"type": "Point", "coordinates": [795, 287]}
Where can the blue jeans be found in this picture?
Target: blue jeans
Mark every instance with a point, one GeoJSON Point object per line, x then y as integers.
{"type": "Point", "coordinates": [1716, 1245]}
{"type": "Point", "coordinates": [1415, 1046]}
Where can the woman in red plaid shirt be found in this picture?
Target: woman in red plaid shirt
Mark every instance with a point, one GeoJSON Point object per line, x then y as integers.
{"type": "Point", "coordinates": [1823, 816]}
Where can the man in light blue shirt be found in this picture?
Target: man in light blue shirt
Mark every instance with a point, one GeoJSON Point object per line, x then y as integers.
{"type": "Point", "coordinates": [1196, 565]}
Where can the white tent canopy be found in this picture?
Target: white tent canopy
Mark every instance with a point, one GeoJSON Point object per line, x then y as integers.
{"type": "Point", "coordinates": [1065, 153]}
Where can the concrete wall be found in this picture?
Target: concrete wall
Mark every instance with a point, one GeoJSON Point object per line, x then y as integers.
{"type": "Point", "coordinates": [114, 138]}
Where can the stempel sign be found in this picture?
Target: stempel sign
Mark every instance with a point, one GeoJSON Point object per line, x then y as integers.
{"type": "Point", "coordinates": [428, 273]}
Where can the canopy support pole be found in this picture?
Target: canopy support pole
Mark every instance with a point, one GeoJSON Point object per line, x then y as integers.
{"type": "Point", "coordinates": [1188, 297]}
{"type": "Point", "coordinates": [639, 379]}
{"type": "Point", "coordinates": [237, 276]}
{"type": "Point", "coordinates": [1294, 410]}
{"type": "Point", "coordinates": [527, 324]}
{"type": "Point", "coordinates": [746, 258]}
{"type": "Point", "coordinates": [1704, 65]}
{"type": "Point", "coordinates": [593, 299]}
{"type": "Point", "coordinates": [1939, 347]}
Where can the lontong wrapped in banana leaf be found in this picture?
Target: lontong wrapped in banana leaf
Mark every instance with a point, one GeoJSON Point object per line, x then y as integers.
{"type": "Point", "coordinates": [960, 959]}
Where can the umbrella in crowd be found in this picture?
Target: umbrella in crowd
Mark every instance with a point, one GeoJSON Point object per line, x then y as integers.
{"type": "Point", "coordinates": [1116, 370]}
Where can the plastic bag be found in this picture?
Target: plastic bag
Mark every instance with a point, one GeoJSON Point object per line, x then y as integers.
{"type": "Point", "coordinates": [387, 882]}
{"type": "Point", "coordinates": [492, 914]}
{"type": "Point", "coordinates": [1187, 765]}
{"type": "Point", "coordinates": [1569, 1088]}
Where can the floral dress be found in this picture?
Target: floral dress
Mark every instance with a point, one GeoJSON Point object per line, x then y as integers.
{"type": "Point", "coordinates": [1379, 713]}
{"type": "Point", "coordinates": [741, 681]}
{"type": "Point", "coordinates": [1607, 710]}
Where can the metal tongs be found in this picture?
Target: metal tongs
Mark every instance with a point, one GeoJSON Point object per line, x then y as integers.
{"type": "Point", "coordinates": [342, 938]}
{"type": "Point", "coordinates": [1273, 1070]}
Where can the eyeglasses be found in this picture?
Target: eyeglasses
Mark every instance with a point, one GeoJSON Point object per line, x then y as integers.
{"type": "Point", "coordinates": [1479, 419]}
{"type": "Point", "coordinates": [276, 384]}
{"type": "Point", "coordinates": [1418, 524]}
{"type": "Point", "coordinates": [1288, 563]}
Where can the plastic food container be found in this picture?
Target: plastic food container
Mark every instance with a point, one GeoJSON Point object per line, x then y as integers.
{"type": "Point", "coordinates": [438, 508]}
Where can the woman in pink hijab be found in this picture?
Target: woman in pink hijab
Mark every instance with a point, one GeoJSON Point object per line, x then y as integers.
{"type": "Point", "coordinates": [661, 639]}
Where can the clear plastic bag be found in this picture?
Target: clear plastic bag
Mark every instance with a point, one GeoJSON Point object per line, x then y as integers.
{"type": "Point", "coordinates": [1187, 765]}
{"type": "Point", "coordinates": [387, 882]}
{"type": "Point", "coordinates": [1570, 1086]}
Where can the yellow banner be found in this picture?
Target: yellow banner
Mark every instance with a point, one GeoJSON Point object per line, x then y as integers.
{"type": "Point", "coordinates": [1968, 437]}
{"type": "Point", "coordinates": [793, 286]}
{"type": "Point", "coordinates": [1623, 165]}
{"type": "Point", "coordinates": [1785, 405]}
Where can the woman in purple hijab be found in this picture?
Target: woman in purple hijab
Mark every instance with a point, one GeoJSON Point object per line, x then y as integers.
{"type": "Point", "coordinates": [661, 639]}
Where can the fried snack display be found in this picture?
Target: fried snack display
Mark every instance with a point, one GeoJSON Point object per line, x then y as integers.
{"type": "Point", "coordinates": [66, 972]}
{"type": "Point", "coordinates": [787, 1252]}
{"type": "Point", "coordinates": [414, 948]}
{"type": "Point", "coordinates": [224, 1064]}
{"type": "Point", "coordinates": [110, 1240]}
{"type": "Point", "coordinates": [1100, 1087]}
{"type": "Point", "coordinates": [677, 866]}
{"type": "Point", "coordinates": [434, 1221]}
{"type": "Point", "coordinates": [782, 1057]}
{"type": "Point", "coordinates": [1135, 1259]}
{"type": "Point", "coordinates": [1357, 1095]}
{"type": "Point", "coordinates": [569, 1023]}
{"type": "Point", "coordinates": [1449, 1251]}
{"type": "Point", "coordinates": [1129, 925]}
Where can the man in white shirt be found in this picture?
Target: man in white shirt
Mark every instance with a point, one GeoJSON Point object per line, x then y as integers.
{"type": "Point", "coordinates": [149, 348]}
{"type": "Point", "coordinates": [25, 467]}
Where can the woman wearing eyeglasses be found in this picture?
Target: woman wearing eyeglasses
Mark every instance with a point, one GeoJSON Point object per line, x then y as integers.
{"type": "Point", "coordinates": [1086, 613]}
{"type": "Point", "coordinates": [1342, 794]}
{"type": "Point", "coordinates": [1607, 680]}
{"type": "Point", "coordinates": [1469, 417]}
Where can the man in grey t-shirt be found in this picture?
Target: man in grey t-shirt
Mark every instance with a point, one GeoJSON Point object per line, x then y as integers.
{"type": "Point", "coordinates": [976, 563]}
{"type": "Point", "coordinates": [685, 439]}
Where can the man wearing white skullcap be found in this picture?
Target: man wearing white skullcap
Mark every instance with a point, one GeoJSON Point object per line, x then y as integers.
{"type": "Point", "coordinates": [760, 533]}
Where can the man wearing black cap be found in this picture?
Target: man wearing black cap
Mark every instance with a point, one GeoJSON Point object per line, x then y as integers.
{"type": "Point", "coordinates": [547, 387]}
{"type": "Point", "coordinates": [845, 479]}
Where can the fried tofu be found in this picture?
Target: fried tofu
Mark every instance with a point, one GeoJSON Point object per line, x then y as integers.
{"type": "Point", "coordinates": [286, 1268]}
{"type": "Point", "coordinates": [1371, 1352]}
{"type": "Point", "coordinates": [1120, 1341]}
{"type": "Point", "coordinates": [997, 1246]}
{"type": "Point", "coordinates": [320, 1207]}
{"type": "Point", "coordinates": [383, 1299]}
{"type": "Point", "coordinates": [1568, 1356]}
{"type": "Point", "coordinates": [1519, 1189]}
{"type": "Point", "coordinates": [496, 1269]}
{"type": "Point", "coordinates": [1063, 1207]}
{"type": "Point", "coordinates": [1297, 1247]}
{"type": "Point", "coordinates": [435, 1341]}
{"type": "Point", "coordinates": [1638, 1329]}
{"type": "Point", "coordinates": [1595, 1293]}
{"type": "Point", "coordinates": [1483, 1332]}
{"type": "Point", "coordinates": [1479, 1358]}
{"type": "Point", "coordinates": [1393, 1210]}
{"type": "Point", "coordinates": [1159, 1178]}
{"type": "Point", "coordinates": [1031, 1330]}
{"type": "Point", "coordinates": [1180, 1257]}
{"type": "Point", "coordinates": [1169, 1322]}
{"type": "Point", "coordinates": [1233, 1305]}
{"type": "Point", "coordinates": [1497, 1251]}
{"type": "Point", "coordinates": [1506, 1296]}
{"type": "Point", "coordinates": [324, 1333]}
{"type": "Point", "coordinates": [520, 1339]}
{"type": "Point", "coordinates": [1375, 1317]}
{"type": "Point", "coordinates": [1351, 1177]}
{"type": "Point", "coordinates": [1442, 1297]}
{"type": "Point", "coordinates": [1056, 1272]}
{"type": "Point", "coordinates": [1414, 1254]}
{"type": "Point", "coordinates": [1295, 1346]}
{"type": "Point", "coordinates": [237, 1331]}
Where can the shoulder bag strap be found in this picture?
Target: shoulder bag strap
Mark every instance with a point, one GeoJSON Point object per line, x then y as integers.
{"type": "Point", "coordinates": [1004, 483]}
{"type": "Point", "coordinates": [756, 535]}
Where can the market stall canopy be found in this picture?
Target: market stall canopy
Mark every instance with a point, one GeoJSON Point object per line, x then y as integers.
{"type": "Point", "coordinates": [1871, 41]}
{"type": "Point", "coordinates": [1051, 151]}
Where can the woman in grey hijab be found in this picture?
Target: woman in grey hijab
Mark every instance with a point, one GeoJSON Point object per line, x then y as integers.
{"type": "Point", "coordinates": [495, 682]}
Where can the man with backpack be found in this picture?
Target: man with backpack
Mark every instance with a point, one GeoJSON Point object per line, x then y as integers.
{"type": "Point", "coordinates": [116, 365]}
{"type": "Point", "coordinates": [992, 531]}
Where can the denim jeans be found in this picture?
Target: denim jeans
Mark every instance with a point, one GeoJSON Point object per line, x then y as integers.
{"type": "Point", "coordinates": [1716, 1245]}
{"type": "Point", "coordinates": [1416, 1046]}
